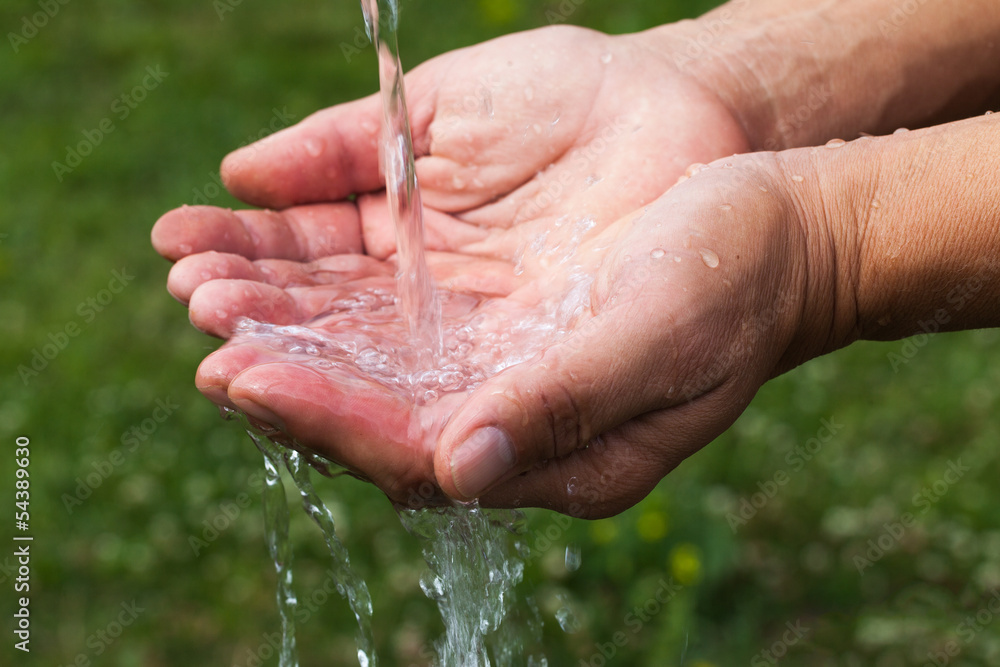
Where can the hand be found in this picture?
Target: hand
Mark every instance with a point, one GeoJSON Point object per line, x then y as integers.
{"type": "Point", "coordinates": [512, 136]}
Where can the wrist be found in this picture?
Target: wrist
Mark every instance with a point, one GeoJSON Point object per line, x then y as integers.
{"type": "Point", "coordinates": [799, 73]}
{"type": "Point", "coordinates": [903, 234]}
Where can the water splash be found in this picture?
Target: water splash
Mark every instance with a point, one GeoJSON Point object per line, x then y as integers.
{"type": "Point", "coordinates": [348, 582]}
{"type": "Point", "coordinates": [474, 569]}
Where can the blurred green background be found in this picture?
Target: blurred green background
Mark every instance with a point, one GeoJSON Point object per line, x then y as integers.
{"type": "Point", "coordinates": [124, 537]}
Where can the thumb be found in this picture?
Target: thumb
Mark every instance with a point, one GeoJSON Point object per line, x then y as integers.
{"type": "Point", "coordinates": [603, 375]}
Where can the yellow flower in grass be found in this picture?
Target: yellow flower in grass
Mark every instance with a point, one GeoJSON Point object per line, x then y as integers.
{"type": "Point", "coordinates": [652, 525]}
{"type": "Point", "coordinates": [500, 11]}
{"type": "Point", "coordinates": [685, 564]}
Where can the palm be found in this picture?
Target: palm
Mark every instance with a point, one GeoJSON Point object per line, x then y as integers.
{"type": "Point", "coordinates": [514, 138]}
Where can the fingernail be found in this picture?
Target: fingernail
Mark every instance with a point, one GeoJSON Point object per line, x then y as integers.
{"type": "Point", "coordinates": [477, 464]}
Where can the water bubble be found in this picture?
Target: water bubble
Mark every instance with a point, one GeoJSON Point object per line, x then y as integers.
{"type": "Point", "coordinates": [678, 259]}
{"type": "Point", "coordinates": [573, 558]}
{"type": "Point", "coordinates": [835, 143]}
{"type": "Point", "coordinates": [709, 257]}
{"type": "Point", "coordinates": [726, 207]}
{"type": "Point", "coordinates": [988, 113]}
{"type": "Point", "coordinates": [875, 203]}
{"type": "Point", "coordinates": [798, 178]}
{"type": "Point", "coordinates": [314, 147]}
{"type": "Point", "coordinates": [658, 253]}
{"type": "Point", "coordinates": [567, 620]}
{"type": "Point", "coordinates": [901, 130]}
{"type": "Point", "coordinates": [606, 58]}
{"type": "Point", "coordinates": [185, 249]}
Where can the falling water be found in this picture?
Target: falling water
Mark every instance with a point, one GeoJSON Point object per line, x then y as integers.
{"type": "Point", "coordinates": [414, 285]}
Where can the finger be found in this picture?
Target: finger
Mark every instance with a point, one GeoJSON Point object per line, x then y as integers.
{"type": "Point", "coordinates": [613, 368]}
{"type": "Point", "coordinates": [300, 233]}
{"type": "Point", "coordinates": [331, 154]}
{"type": "Point", "coordinates": [217, 306]}
{"type": "Point", "coordinates": [441, 231]}
{"type": "Point", "coordinates": [326, 157]}
{"type": "Point", "coordinates": [355, 422]}
{"type": "Point", "coordinates": [621, 467]}
{"type": "Point", "coordinates": [194, 270]}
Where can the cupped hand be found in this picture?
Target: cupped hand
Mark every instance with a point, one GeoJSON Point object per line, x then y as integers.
{"type": "Point", "coordinates": [514, 138]}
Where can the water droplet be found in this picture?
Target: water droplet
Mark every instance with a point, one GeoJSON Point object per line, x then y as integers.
{"type": "Point", "coordinates": [901, 130]}
{"type": "Point", "coordinates": [457, 182]}
{"type": "Point", "coordinates": [728, 165]}
{"type": "Point", "coordinates": [762, 188]}
{"type": "Point", "coordinates": [797, 178]}
{"type": "Point", "coordinates": [314, 147]}
{"type": "Point", "coordinates": [606, 58]}
{"type": "Point", "coordinates": [567, 620]}
{"type": "Point", "coordinates": [658, 253]}
{"type": "Point", "coordinates": [875, 203]}
{"type": "Point", "coordinates": [221, 314]}
{"type": "Point", "coordinates": [677, 258]}
{"type": "Point", "coordinates": [709, 257]}
{"type": "Point", "coordinates": [206, 275]}
{"type": "Point", "coordinates": [185, 249]}
{"type": "Point", "coordinates": [726, 207]}
{"type": "Point", "coordinates": [695, 168]}
{"type": "Point", "coordinates": [988, 113]}
{"type": "Point", "coordinates": [835, 143]}
{"type": "Point", "coordinates": [574, 557]}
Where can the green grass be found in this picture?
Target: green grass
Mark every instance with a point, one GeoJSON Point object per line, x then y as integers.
{"type": "Point", "coordinates": [128, 541]}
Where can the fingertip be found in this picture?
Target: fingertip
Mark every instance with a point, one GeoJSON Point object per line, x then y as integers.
{"type": "Point", "coordinates": [190, 230]}
{"type": "Point", "coordinates": [190, 272]}
{"type": "Point", "coordinates": [216, 307]}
